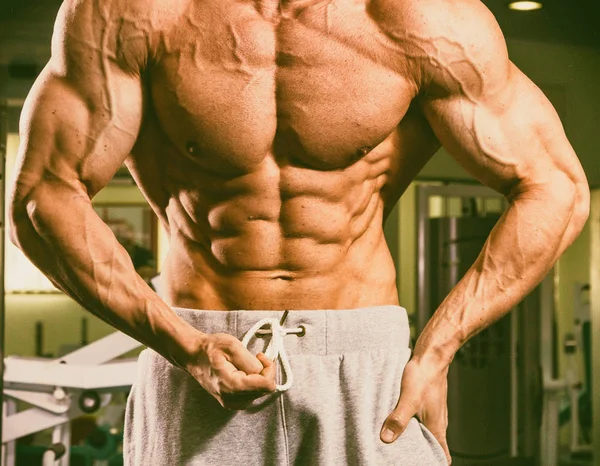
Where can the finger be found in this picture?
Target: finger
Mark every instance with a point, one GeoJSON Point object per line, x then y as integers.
{"type": "Point", "coordinates": [259, 383]}
{"type": "Point", "coordinates": [398, 420]}
{"type": "Point", "coordinates": [269, 368]}
{"type": "Point", "coordinates": [440, 436]}
{"type": "Point", "coordinates": [244, 360]}
{"type": "Point", "coordinates": [235, 381]}
{"type": "Point", "coordinates": [240, 400]}
{"type": "Point", "coordinates": [265, 361]}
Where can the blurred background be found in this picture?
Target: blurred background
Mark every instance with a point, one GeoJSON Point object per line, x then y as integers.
{"type": "Point", "coordinates": [521, 392]}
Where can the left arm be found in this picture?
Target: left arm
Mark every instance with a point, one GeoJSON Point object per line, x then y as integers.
{"type": "Point", "coordinates": [501, 128]}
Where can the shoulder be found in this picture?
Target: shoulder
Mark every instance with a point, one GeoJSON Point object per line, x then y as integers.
{"type": "Point", "coordinates": [123, 31]}
{"type": "Point", "coordinates": [445, 40]}
{"type": "Point", "coordinates": [430, 18]}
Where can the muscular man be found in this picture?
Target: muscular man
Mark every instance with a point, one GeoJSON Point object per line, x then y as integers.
{"type": "Point", "coordinates": [272, 139]}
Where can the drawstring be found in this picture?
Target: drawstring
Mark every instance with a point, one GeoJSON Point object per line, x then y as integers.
{"type": "Point", "coordinates": [275, 348]}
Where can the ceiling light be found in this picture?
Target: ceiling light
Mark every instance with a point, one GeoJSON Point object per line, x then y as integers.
{"type": "Point", "coordinates": [525, 6]}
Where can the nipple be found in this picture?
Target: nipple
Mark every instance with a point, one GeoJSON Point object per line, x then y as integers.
{"type": "Point", "coordinates": [192, 148]}
{"type": "Point", "coordinates": [363, 151]}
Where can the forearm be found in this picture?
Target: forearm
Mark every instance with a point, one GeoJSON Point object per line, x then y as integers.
{"type": "Point", "coordinates": [73, 247]}
{"type": "Point", "coordinates": [524, 245]}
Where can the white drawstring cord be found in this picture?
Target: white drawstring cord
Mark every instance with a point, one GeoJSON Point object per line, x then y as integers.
{"type": "Point", "coordinates": [276, 348]}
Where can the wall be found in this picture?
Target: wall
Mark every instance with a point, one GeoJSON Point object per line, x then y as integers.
{"type": "Point", "coordinates": [61, 318]}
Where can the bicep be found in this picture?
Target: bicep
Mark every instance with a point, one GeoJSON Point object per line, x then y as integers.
{"type": "Point", "coordinates": [63, 140]}
{"type": "Point", "coordinates": [506, 138]}
{"type": "Point", "coordinates": [489, 116]}
{"type": "Point", "coordinates": [82, 116]}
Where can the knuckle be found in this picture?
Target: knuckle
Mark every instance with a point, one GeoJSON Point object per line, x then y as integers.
{"type": "Point", "coordinates": [230, 386]}
{"type": "Point", "coordinates": [220, 341]}
{"type": "Point", "coordinates": [396, 422]}
{"type": "Point", "coordinates": [230, 342]}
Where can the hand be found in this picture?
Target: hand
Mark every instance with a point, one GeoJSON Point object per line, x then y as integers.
{"type": "Point", "coordinates": [229, 372]}
{"type": "Point", "coordinates": [423, 393]}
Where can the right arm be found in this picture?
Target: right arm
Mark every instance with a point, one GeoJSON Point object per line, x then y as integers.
{"type": "Point", "coordinates": [79, 123]}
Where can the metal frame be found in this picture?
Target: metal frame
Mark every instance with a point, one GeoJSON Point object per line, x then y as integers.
{"type": "Point", "coordinates": [553, 389]}
{"type": "Point", "coordinates": [581, 315]}
{"type": "Point", "coordinates": [54, 389]}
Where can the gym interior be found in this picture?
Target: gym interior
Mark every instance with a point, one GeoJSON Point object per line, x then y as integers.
{"type": "Point", "coordinates": [522, 392]}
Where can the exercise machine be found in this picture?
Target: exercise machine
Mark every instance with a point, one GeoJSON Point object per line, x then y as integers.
{"type": "Point", "coordinates": [577, 348]}
{"type": "Point", "coordinates": [61, 390]}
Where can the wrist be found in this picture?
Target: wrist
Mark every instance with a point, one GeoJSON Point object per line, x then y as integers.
{"type": "Point", "coordinates": [437, 356]}
{"type": "Point", "coordinates": [439, 341]}
{"type": "Point", "coordinates": [173, 338]}
{"type": "Point", "coordinates": [186, 347]}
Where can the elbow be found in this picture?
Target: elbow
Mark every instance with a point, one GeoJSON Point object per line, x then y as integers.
{"type": "Point", "coordinates": [17, 211]}
{"type": "Point", "coordinates": [13, 214]}
{"type": "Point", "coordinates": [17, 216]}
{"type": "Point", "coordinates": [581, 206]}
{"type": "Point", "coordinates": [19, 220]}
{"type": "Point", "coordinates": [565, 197]}
{"type": "Point", "coordinates": [574, 193]}
{"type": "Point", "coordinates": [14, 210]}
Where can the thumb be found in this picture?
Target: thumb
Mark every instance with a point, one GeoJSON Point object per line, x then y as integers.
{"type": "Point", "coordinates": [398, 420]}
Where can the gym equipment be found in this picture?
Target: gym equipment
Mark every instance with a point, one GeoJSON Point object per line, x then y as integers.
{"type": "Point", "coordinates": [53, 454]}
{"type": "Point", "coordinates": [61, 390]}
{"type": "Point", "coordinates": [577, 347]}
{"type": "Point", "coordinates": [101, 448]}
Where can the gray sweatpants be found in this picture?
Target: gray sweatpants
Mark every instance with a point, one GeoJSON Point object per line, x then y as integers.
{"type": "Point", "coordinates": [345, 374]}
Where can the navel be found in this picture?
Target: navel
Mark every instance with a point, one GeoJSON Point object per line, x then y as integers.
{"type": "Point", "coordinates": [285, 278]}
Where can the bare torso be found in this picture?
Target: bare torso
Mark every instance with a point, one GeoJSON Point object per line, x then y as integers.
{"type": "Point", "coordinates": [278, 140]}
{"type": "Point", "coordinates": [273, 140]}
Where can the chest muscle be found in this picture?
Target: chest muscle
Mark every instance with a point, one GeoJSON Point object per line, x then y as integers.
{"type": "Point", "coordinates": [316, 86]}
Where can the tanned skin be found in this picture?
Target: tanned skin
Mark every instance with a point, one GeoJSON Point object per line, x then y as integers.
{"type": "Point", "coordinates": [272, 139]}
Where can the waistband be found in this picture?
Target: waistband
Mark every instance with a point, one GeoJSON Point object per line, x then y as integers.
{"type": "Point", "coordinates": [325, 331]}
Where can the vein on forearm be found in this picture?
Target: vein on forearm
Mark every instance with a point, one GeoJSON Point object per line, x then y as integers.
{"type": "Point", "coordinates": [519, 252]}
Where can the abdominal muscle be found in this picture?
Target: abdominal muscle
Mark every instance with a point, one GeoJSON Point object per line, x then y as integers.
{"type": "Point", "coordinates": [270, 249]}
{"type": "Point", "coordinates": [357, 281]}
